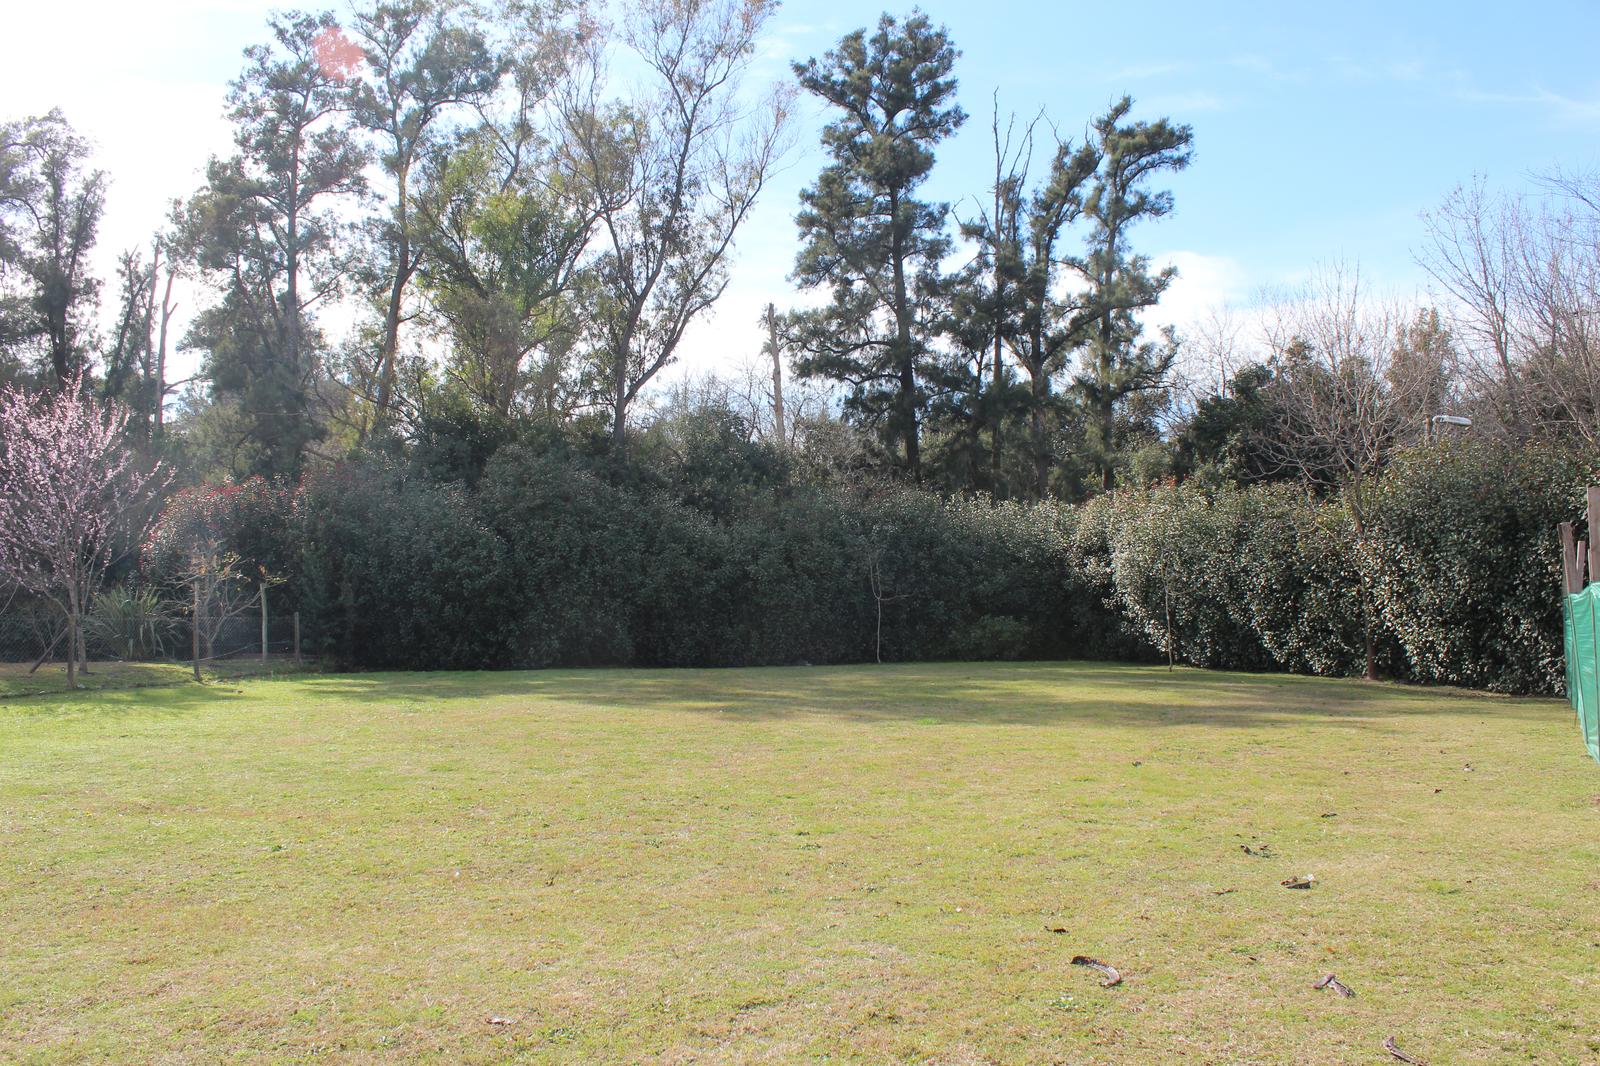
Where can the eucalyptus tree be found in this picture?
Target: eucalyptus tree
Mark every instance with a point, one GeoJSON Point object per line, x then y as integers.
{"type": "Point", "coordinates": [51, 202]}
{"type": "Point", "coordinates": [501, 253]}
{"type": "Point", "coordinates": [130, 358]}
{"type": "Point", "coordinates": [867, 237]}
{"type": "Point", "coordinates": [424, 63]}
{"type": "Point", "coordinates": [672, 171]}
{"type": "Point", "coordinates": [266, 229]}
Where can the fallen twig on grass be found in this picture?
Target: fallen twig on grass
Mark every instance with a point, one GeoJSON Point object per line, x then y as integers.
{"type": "Point", "coordinates": [1394, 1049]}
{"type": "Point", "coordinates": [1112, 977]}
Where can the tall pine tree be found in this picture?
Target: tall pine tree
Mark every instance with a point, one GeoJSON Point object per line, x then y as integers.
{"type": "Point", "coordinates": [265, 228]}
{"type": "Point", "coordinates": [1115, 363]}
{"type": "Point", "coordinates": [867, 236]}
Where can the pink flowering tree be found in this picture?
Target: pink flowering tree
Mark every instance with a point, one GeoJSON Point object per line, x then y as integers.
{"type": "Point", "coordinates": [72, 496]}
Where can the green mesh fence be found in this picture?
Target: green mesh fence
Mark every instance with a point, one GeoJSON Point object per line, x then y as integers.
{"type": "Point", "coordinates": [1583, 663]}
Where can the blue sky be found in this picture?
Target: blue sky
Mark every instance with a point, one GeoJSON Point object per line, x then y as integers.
{"type": "Point", "coordinates": [1321, 131]}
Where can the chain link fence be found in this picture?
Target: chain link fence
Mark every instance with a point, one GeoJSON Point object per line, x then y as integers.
{"type": "Point", "coordinates": [129, 632]}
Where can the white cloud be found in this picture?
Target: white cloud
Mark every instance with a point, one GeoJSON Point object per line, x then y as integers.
{"type": "Point", "coordinates": [1204, 284]}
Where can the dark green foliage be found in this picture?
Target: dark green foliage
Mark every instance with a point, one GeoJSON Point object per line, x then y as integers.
{"type": "Point", "coordinates": [867, 238]}
{"type": "Point", "coordinates": [706, 550]}
{"type": "Point", "coordinates": [550, 562]}
{"type": "Point", "coordinates": [398, 572]}
{"type": "Point", "coordinates": [1177, 553]}
{"type": "Point", "coordinates": [1117, 365]}
{"type": "Point", "coordinates": [1469, 585]}
{"type": "Point", "coordinates": [1229, 433]}
{"type": "Point", "coordinates": [1461, 543]}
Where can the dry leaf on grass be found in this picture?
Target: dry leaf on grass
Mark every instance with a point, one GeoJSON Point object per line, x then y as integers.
{"type": "Point", "coordinates": [1299, 882]}
{"type": "Point", "coordinates": [1112, 977]}
{"type": "Point", "coordinates": [1330, 981]}
{"type": "Point", "coordinates": [492, 1020]}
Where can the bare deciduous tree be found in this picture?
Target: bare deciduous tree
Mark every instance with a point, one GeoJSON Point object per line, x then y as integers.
{"type": "Point", "coordinates": [673, 173]}
{"type": "Point", "coordinates": [1522, 277]}
{"type": "Point", "coordinates": [1344, 401]}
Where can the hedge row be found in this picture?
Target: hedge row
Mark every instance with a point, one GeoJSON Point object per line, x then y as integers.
{"type": "Point", "coordinates": [545, 561]}
{"type": "Point", "coordinates": [1457, 570]}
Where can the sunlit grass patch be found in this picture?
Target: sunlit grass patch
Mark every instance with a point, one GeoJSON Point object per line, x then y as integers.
{"type": "Point", "coordinates": [855, 864]}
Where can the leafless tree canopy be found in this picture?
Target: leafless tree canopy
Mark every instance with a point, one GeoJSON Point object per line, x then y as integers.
{"type": "Point", "coordinates": [1521, 282]}
{"type": "Point", "coordinates": [673, 170]}
{"type": "Point", "coordinates": [1347, 390]}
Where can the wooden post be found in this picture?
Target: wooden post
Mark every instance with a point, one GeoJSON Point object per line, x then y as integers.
{"type": "Point", "coordinates": [1581, 576]}
{"type": "Point", "coordinates": [263, 622]}
{"type": "Point", "coordinates": [1569, 559]}
{"type": "Point", "coordinates": [1594, 532]}
{"type": "Point", "coordinates": [297, 637]}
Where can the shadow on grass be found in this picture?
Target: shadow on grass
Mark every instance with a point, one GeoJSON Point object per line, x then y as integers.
{"type": "Point", "coordinates": [1028, 694]}
{"type": "Point", "coordinates": [995, 693]}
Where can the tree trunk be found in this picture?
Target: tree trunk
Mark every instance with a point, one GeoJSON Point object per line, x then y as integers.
{"type": "Point", "coordinates": [194, 629]}
{"type": "Point", "coordinates": [619, 392]}
{"type": "Point", "coordinates": [779, 429]}
{"type": "Point", "coordinates": [161, 354]}
{"type": "Point", "coordinates": [72, 637]}
{"type": "Point", "coordinates": [1041, 435]}
{"type": "Point", "coordinates": [996, 418]}
{"type": "Point", "coordinates": [397, 291]}
{"type": "Point", "coordinates": [906, 402]}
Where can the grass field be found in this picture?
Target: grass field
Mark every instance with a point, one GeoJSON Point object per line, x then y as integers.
{"type": "Point", "coordinates": [17, 679]}
{"type": "Point", "coordinates": [850, 865]}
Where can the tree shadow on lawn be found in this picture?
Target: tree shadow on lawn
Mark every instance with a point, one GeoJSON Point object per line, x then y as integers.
{"type": "Point", "coordinates": [1040, 694]}
{"type": "Point", "coordinates": [1036, 694]}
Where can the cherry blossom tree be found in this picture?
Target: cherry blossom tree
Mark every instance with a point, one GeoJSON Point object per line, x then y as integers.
{"type": "Point", "coordinates": [73, 495]}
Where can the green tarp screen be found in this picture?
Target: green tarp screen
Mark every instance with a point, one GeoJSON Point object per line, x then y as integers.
{"type": "Point", "coordinates": [1583, 663]}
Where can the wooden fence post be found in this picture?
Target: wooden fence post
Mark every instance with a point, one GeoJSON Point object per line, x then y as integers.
{"type": "Point", "coordinates": [297, 637]}
{"type": "Point", "coordinates": [1594, 531]}
{"type": "Point", "coordinates": [1569, 559]}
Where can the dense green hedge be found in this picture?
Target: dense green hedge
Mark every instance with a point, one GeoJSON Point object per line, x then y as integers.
{"type": "Point", "coordinates": [1469, 587]}
{"type": "Point", "coordinates": [708, 555]}
{"type": "Point", "coordinates": [1461, 555]}
{"type": "Point", "coordinates": [550, 563]}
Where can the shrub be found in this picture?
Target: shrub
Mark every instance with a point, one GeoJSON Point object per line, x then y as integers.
{"type": "Point", "coordinates": [1469, 585]}
{"type": "Point", "coordinates": [133, 624]}
{"type": "Point", "coordinates": [397, 571]}
{"type": "Point", "coordinates": [1177, 552]}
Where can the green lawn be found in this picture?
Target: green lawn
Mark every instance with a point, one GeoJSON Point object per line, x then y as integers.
{"type": "Point", "coordinates": [851, 865]}
{"type": "Point", "coordinates": [18, 679]}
